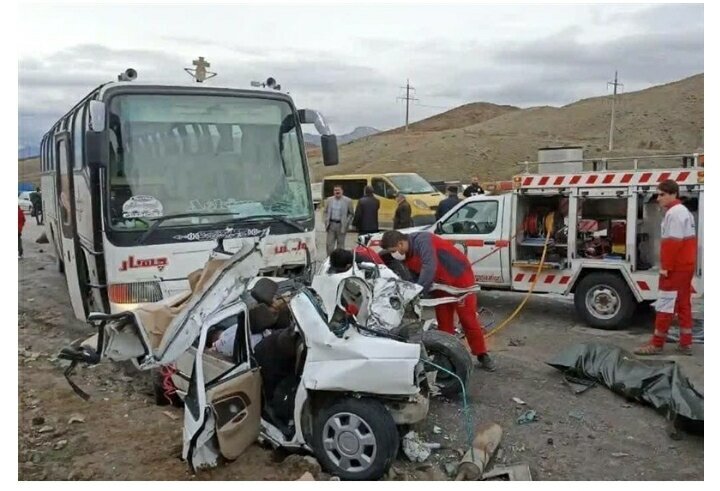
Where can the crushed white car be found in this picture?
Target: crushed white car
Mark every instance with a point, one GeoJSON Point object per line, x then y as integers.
{"type": "Point", "coordinates": [325, 369]}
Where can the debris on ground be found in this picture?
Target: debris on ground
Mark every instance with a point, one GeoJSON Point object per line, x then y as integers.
{"type": "Point", "coordinates": [437, 430]}
{"type": "Point", "coordinates": [516, 342]}
{"type": "Point", "coordinates": [170, 415]}
{"type": "Point", "coordinates": [306, 477]}
{"type": "Point", "coordinates": [476, 459]}
{"type": "Point", "coordinates": [576, 415]}
{"type": "Point", "coordinates": [38, 420]}
{"type": "Point", "coordinates": [515, 472]}
{"type": "Point", "coordinates": [46, 429]}
{"type": "Point", "coordinates": [528, 416]}
{"type": "Point", "coordinates": [517, 400]}
{"type": "Point", "coordinates": [660, 383]}
{"type": "Point", "coordinates": [415, 449]}
{"type": "Point", "coordinates": [76, 418]}
{"type": "Point", "coordinates": [60, 444]}
{"type": "Point", "coordinates": [451, 468]}
{"type": "Point", "coordinates": [305, 463]}
{"type": "Point", "coordinates": [620, 454]}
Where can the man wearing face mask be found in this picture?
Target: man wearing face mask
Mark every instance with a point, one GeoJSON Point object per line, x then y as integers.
{"type": "Point", "coordinates": [436, 260]}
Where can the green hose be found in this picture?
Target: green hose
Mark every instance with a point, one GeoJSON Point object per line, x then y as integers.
{"type": "Point", "coordinates": [466, 409]}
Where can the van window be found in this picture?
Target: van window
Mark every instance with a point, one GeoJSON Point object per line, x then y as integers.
{"type": "Point", "coordinates": [381, 187]}
{"type": "Point", "coordinates": [352, 188]}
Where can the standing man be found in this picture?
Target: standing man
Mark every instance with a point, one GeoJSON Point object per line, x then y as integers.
{"type": "Point", "coordinates": [678, 256]}
{"type": "Point", "coordinates": [448, 203]}
{"type": "Point", "coordinates": [21, 224]}
{"type": "Point", "coordinates": [436, 260]}
{"type": "Point", "coordinates": [36, 200]}
{"type": "Point", "coordinates": [338, 216]}
{"type": "Point", "coordinates": [474, 188]}
{"type": "Point", "coordinates": [403, 213]}
{"type": "Point", "coordinates": [366, 213]}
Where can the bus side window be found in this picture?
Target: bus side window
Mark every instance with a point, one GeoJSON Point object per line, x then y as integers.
{"type": "Point", "coordinates": [77, 138]}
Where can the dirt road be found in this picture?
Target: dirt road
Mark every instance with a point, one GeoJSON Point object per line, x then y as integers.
{"type": "Point", "coordinates": [120, 434]}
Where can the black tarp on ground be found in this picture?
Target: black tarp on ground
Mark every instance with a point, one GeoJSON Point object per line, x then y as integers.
{"type": "Point", "coordinates": [659, 383]}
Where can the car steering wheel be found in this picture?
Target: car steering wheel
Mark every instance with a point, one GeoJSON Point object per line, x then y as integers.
{"type": "Point", "coordinates": [470, 227]}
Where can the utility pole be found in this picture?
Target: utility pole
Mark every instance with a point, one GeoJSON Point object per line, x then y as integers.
{"type": "Point", "coordinates": [407, 100]}
{"type": "Point", "coordinates": [612, 111]}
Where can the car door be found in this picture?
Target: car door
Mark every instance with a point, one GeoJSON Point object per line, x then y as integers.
{"type": "Point", "coordinates": [227, 406]}
{"type": "Point", "coordinates": [477, 230]}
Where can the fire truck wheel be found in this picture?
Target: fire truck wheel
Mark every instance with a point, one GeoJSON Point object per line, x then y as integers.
{"type": "Point", "coordinates": [604, 301]}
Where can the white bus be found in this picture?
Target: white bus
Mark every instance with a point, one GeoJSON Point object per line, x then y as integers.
{"type": "Point", "coordinates": [139, 181]}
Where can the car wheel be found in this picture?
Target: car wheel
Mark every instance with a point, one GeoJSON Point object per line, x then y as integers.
{"type": "Point", "coordinates": [450, 353]}
{"type": "Point", "coordinates": [355, 439]}
{"type": "Point", "coordinates": [604, 301]}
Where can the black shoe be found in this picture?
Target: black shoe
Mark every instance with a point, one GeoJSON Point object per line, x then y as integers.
{"type": "Point", "coordinates": [486, 363]}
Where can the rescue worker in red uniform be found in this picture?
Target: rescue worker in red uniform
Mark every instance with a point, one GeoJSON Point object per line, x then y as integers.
{"type": "Point", "coordinates": [678, 257]}
{"type": "Point", "coordinates": [435, 260]}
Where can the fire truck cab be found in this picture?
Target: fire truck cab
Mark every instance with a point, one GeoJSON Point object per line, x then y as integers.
{"type": "Point", "coordinates": [604, 230]}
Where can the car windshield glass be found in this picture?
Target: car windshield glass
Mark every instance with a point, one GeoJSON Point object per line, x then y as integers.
{"type": "Point", "coordinates": [192, 154]}
{"type": "Point", "coordinates": [411, 184]}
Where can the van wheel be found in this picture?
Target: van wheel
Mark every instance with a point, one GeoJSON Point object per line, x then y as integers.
{"type": "Point", "coordinates": [355, 439]}
{"type": "Point", "coordinates": [604, 301]}
{"type": "Point", "coordinates": [450, 353]}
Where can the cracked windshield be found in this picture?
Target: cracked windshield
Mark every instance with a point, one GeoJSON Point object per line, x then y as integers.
{"type": "Point", "coordinates": [182, 154]}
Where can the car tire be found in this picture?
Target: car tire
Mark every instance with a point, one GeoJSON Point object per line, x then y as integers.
{"type": "Point", "coordinates": [355, 439]}
{"type": "Point", "coordinates": [449, 352]}
{"type": "Point", "coordinates": [604, 301]}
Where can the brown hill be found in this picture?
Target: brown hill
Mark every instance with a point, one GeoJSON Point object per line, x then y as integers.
{"type": "Point", "coordinates": [29, 170]}
{"type": "Point", "coordinates": [459, 117]}
{"type": "Point", "coordinates": [663, 119]}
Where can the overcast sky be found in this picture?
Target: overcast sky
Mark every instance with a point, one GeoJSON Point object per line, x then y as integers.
{"type": "Point", "coordinates": [350, 61]}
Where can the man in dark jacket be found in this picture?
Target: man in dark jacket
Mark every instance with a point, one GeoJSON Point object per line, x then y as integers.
{"type": "Point", "coordinates": [448, 203]}
{"type": "Point", "coordinates": [36, 201]}
{"type": "Point", "coordinates": [403, 214]}
{"type": "Point", "coordinates": [474, 188]}
{"type": "Point", "coordinates": [366, 213]}
{"type": "Point", "coordinates": [436, 260]}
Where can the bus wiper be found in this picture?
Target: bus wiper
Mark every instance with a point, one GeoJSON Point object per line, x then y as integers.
{"type": "Point", "coordinates": [280, 218]}
{"type": "Point", "coordinates": [161, 219]}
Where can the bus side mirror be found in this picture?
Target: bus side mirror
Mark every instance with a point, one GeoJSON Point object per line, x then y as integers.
{"type": "Point", "coordinates": [330, 151]}
{"type": "Point", "coordinates": [96, 149]}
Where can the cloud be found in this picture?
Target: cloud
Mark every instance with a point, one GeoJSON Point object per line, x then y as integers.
{"type": "Point", "coordinates": [358, 85]}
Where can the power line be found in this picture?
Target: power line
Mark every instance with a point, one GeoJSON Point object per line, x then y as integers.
{"type": "Point", "coordinates": [612, 111]}
{"type": "Point", "coordinates": [407, 100]}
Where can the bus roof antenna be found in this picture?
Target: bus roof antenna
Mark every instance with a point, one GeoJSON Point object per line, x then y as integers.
{"type": "Point", "coordinates": [200, 73]}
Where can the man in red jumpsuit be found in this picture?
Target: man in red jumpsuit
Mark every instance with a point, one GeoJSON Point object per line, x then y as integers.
{"type": "Point", "coordinates": [436, 260]}
{"type": "Point", "coordinates": [678, 257]}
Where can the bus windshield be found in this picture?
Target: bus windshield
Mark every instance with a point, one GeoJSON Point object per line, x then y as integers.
{"type": "Point", "coordinates": [411, 184]}
{"type": "Point", "coordinates": [195, 154]}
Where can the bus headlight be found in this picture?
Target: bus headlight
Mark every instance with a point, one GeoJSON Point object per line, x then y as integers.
{"type": "Point", "coordinates": [421, 204]}
{"type": "Point", "coordinates": [142, 292]}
